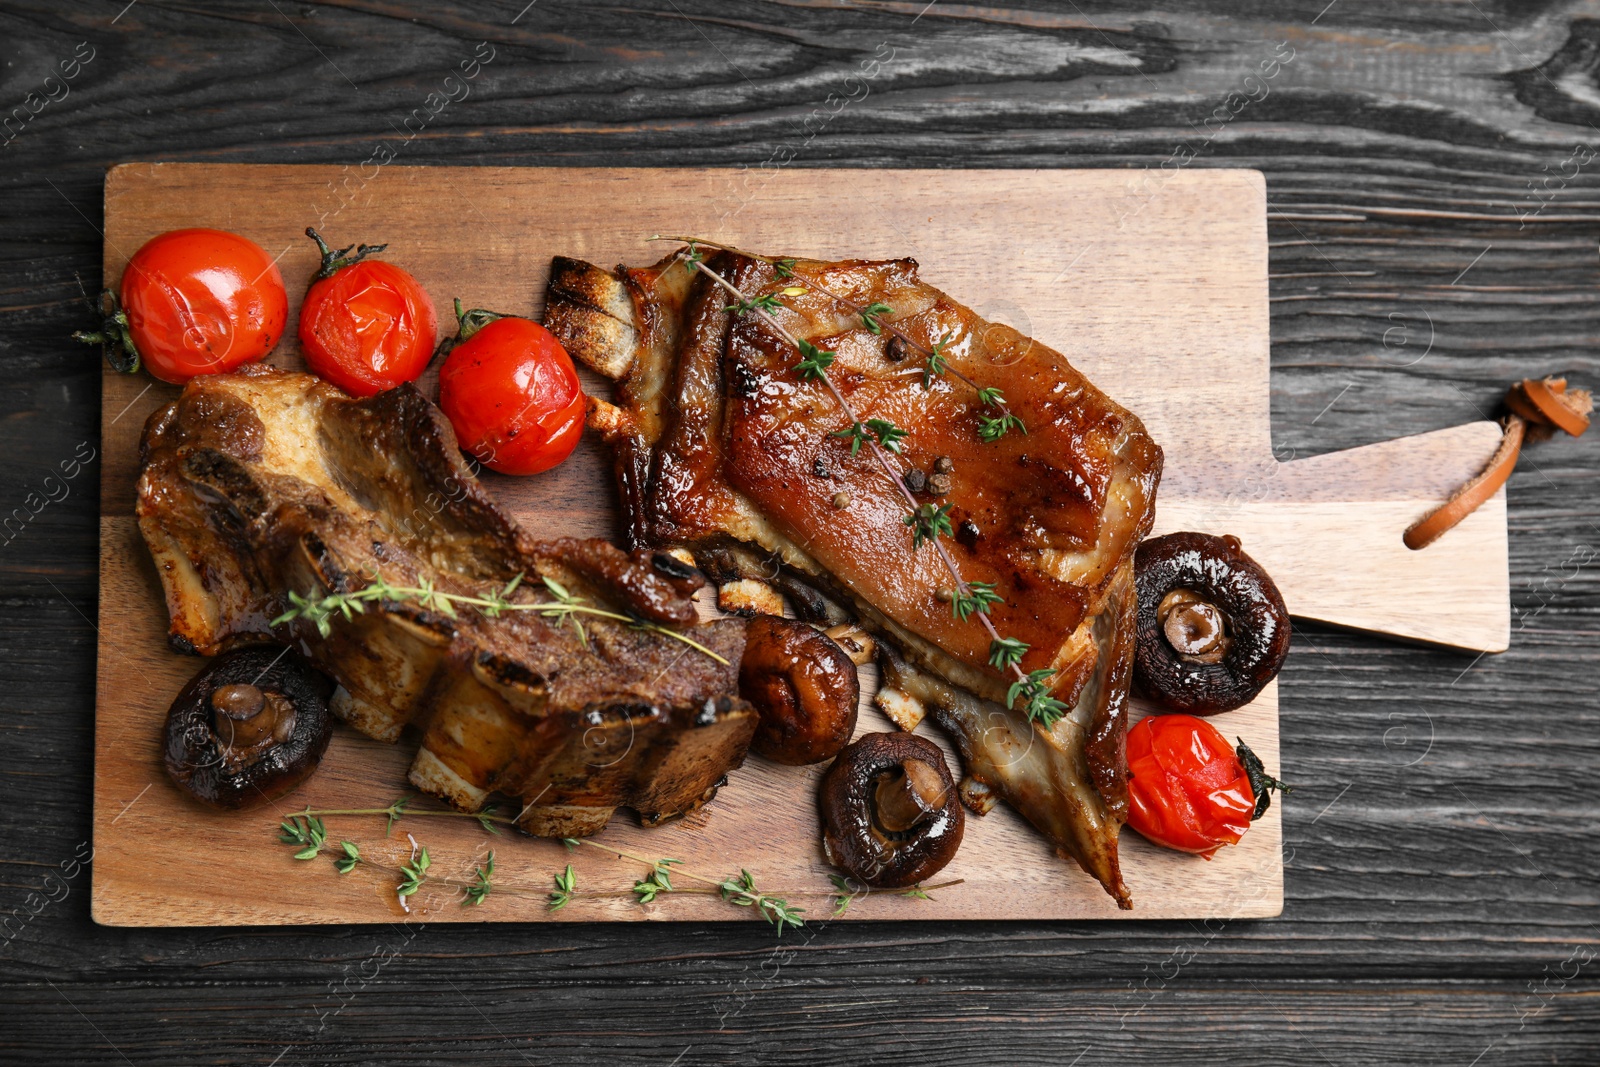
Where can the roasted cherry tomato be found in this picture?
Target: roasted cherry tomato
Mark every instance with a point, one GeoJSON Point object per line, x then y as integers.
{"type": "Point", "coordinates": [366, 325]}
{"type": "Point", "coordinates": [194, 302]}
{"type": "Point", "coordinates": [1187, 789]}
{"type": "Point", "coordinates": [512, 394]}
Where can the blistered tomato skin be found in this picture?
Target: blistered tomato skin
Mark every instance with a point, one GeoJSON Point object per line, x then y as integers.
{"type": "Point", "coordinates": [1187, 789]}
{"type": "Point", "coordinates": [368, 327]}
{"type": "Point", "coordinates": [202, 301]}
{"type": "Point", "coordinates": [513, 396]}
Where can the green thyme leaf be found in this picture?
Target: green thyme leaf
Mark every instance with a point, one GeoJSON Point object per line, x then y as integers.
{"type": "Point", "coordinates": [992, 429]}
{"type": "Point", "coordinates": [767, 302]}
{"type": "Point", "coordinates": [935, 365]}
{"type": "Point", "coordinates": [1034, 692]}
{"type": "Point", "coordinates": [815, 361]}
{"type": "Point", "coordinates": [928, 523]}
{"type": "Point", "coordinates": [889, 435]}
{"type": "Point", "coordinates": [394, 812]}
{"type": "Point", "coordinates": [871, 313]}
{"type": "Point", "coordinates": [413, 874]}
{"type": "Point", "coordinates": [846, 894]}
{"type": "Point", "coordinates": [980, 596]}
{"type": "Point", "coordinates": [856, 434]}
{"type": "Point", "coordinates": [474, 893]}
{"type": "Point", "coordinates": [1007, 652]}
{"type": "Point", "coordinates": [566, 885]}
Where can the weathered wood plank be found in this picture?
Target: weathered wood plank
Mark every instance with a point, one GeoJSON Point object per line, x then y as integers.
{"type": "Point", "coordinates": [1398, 145]}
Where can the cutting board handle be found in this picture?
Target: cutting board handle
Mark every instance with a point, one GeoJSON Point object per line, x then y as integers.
{"type": "Point", "coordinates": [1329, 530]}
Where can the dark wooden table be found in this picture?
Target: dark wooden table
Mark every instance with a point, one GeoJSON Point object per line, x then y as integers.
{"type": "Point", "coordinates": [1434, 178]}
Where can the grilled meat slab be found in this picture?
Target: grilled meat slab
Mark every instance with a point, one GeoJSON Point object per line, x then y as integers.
{"type": "Point", "coordinates": [258, 483]}
{"type": "Point", "coordinates": [720, 442]}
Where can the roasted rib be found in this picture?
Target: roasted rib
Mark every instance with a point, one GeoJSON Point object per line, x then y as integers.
{"type": "Point", "coordinates": [258, 483]}
{"type": "Point", "coordinates": [718, 442]}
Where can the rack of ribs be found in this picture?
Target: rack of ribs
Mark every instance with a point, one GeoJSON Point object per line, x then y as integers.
{"type": "Point", "coordinates": [720, 446]}
{"type": "Point", "coordinates": [260, 483]}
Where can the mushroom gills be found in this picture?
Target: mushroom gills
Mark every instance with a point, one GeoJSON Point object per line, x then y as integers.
{"type": "Point", "coordinates": [1213, 628]}
{"type": "Point", "coordinates": [248, 728]}
{"type": "Point", "coordinates": [890, 811]}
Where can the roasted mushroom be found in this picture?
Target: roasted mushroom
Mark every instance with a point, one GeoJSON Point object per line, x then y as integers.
{"type": "Point", "coordinates": [1213, 629]}
{"type": "Point", "coordinates": [891, 813]}
{"type": "Point", "coordinates": [804, 687]}
{"type": "Point", "coordinates": [248, 728]}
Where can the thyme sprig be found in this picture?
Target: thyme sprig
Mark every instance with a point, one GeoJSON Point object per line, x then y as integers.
{"type": "Point", "coordinates": [929, 525]}
{"type": "Point", "coordinates": [935, 365]}
{"type": "Point", "coordinates": [740, 891]}
{"type": "Point", "coordinates": [413, 874]}
{"type": "Point", "coordinates": [869, 316]}
{"type": "Point", "coordinates": [481, 886]}
{"type": "Point", "coordinates": [401, 806]}
{"type": "Point", "coordinates": [766, 302]}
{"type": "Point", "coordinates": [306, 831]}
{"type": "Point", "coordinates": [978, 598]}
{"type": "Point", "coordinates": [320, 607]}
{"type": "Point", "coordinates": [888, 434]}
{"type": "Point", "coordinates": [846, 892]}
{"type": "Point", "coordinates": [566, 886]}
{"type": "Point", "coordinates": [659, 880]}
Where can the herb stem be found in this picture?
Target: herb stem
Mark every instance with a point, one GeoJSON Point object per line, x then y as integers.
{"type": "Point", "coordinates": [562, 608]}
{"type": "Point", "coordinates": [444, 812]}
{"type": "Point", "coordinates": [617, 852]}
{"type": "Point", "coordinates": [320, 606]}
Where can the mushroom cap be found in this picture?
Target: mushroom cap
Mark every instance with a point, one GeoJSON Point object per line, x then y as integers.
{"type": "Point", "coordinates": [804, 687]}
{"type": "Point", "coordinates": [194, 754]}
{"type": "Point", "coordinates": [1223, 582]}
{"type": "Point", "coordinates": [854, 837]}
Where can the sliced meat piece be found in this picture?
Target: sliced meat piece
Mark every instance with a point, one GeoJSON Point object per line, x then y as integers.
{"type": "Point", "coordinates": [721, 443]}
{"type": "Point", "coordinates": [261, 483]}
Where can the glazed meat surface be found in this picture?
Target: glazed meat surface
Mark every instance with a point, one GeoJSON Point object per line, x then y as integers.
{"type": "Point", "coordinates": [720, 442]}
{"type": "Point", "coordinates": [259, 483]}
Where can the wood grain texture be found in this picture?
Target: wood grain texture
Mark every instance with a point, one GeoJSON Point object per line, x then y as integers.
{"type": "Point", "coordinates": [1444, 823]}
{"type": "Point", "coordinates": [1201, 333]}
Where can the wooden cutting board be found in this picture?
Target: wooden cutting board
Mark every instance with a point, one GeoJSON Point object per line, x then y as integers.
{"type": "Point", "coordinates": [1155, 286]}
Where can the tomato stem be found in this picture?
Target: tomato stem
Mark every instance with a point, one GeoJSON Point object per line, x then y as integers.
{"type": "Point", "coordinates": [1261, 783]}
{"type": "Point", "coordinates": [333, 262]}
{"type": "Point", "coordinates": [468, 322]}
{"type": "Point", "coordinates": [115, 342]}
{"type": "Point", "coordinates": [471, 321]}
